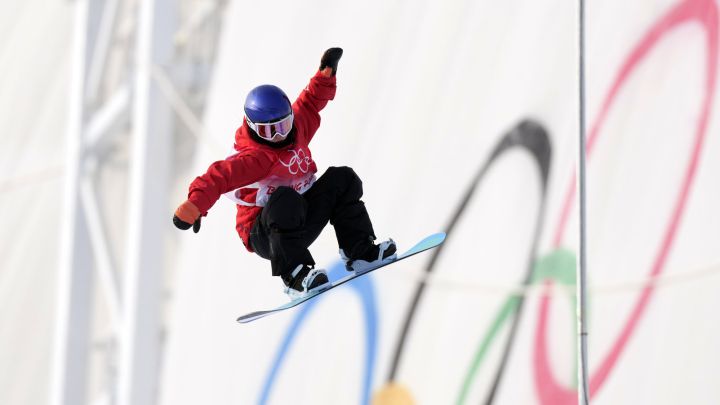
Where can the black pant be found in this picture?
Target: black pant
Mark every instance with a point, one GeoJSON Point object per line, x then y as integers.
{"type": "Point", "coordinates": [290, 222]}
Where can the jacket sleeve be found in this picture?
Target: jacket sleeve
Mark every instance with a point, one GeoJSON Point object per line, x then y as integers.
{"type": "Point", "coordinates": [227, 175]}
{"type": "Point", "coordinates": [311, 101]}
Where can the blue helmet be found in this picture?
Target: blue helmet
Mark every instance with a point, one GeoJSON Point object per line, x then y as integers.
{"type": "Point", "coordinates": [267, 103]}
{"type": "Point", "coordinates": [269, 113]}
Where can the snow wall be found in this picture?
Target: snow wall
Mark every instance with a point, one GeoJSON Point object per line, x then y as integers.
{"type": "Point", "coordinates": [464, 114]}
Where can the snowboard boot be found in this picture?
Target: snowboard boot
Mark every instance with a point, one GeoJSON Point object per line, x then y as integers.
{"type": "Point", "coordinates": [368, 255]}
{"type": "Point", "coordinates": [304, 280]}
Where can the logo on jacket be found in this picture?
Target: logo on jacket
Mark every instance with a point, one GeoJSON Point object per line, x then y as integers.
{"type": "Point", "coordinates": [299, 162]}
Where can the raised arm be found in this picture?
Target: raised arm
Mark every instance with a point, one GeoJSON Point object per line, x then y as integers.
{"type": "Point", "coordinates": [317, 93]}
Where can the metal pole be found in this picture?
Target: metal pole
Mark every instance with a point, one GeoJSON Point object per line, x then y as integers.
{"type": "Point", "coordinates": [70, 364]}
{"type": "Point", "coordinates": [140, 338]}
{"type": "Point", "coordinates": [583, 394]}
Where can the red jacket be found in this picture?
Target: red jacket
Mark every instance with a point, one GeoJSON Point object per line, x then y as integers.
{"type": "Point", "coordinates": [255, 170]}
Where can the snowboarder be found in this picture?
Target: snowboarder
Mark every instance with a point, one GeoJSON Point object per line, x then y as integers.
{"type": "Point", "coordinates": [281, 205]}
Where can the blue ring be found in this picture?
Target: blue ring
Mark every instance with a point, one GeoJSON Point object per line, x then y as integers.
{"type": "Point", "coordinates": [365, 289]}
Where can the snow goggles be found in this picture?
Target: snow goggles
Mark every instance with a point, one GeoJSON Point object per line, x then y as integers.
{"type": "Point", "coordinates": [272, 131]}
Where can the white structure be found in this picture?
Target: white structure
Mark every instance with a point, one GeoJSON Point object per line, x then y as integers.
{"type": "Point", "coordinates": [130, 58]}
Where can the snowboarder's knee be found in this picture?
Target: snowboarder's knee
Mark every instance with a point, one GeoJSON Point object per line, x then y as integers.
{"type": "Point", "coordinates": [347, 177]}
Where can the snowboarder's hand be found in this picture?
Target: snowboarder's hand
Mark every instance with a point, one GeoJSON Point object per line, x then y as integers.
{"type": "Point", "coordinates": [329, 61]}
{"type": "Point", "coordinates": [187, 215]}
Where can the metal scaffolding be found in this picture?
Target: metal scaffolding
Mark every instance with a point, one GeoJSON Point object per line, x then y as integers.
{"type": "Point", "coordinates": [138, 67]}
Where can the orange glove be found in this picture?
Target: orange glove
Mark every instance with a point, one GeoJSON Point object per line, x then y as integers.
{"type": "Point", "coordinates": [187, 215]}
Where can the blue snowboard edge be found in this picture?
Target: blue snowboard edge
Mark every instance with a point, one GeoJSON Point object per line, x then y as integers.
{"type": "Point", "coordinates": [425, 244]}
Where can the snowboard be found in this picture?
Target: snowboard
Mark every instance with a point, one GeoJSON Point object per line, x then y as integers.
{"type": "Point", "coordinates": [425, 244]}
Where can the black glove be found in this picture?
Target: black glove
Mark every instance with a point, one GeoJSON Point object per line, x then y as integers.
{"type": "Point", "coordinates": [330, 58]}
{"type": "Point", "coordinates": [180, 224]}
